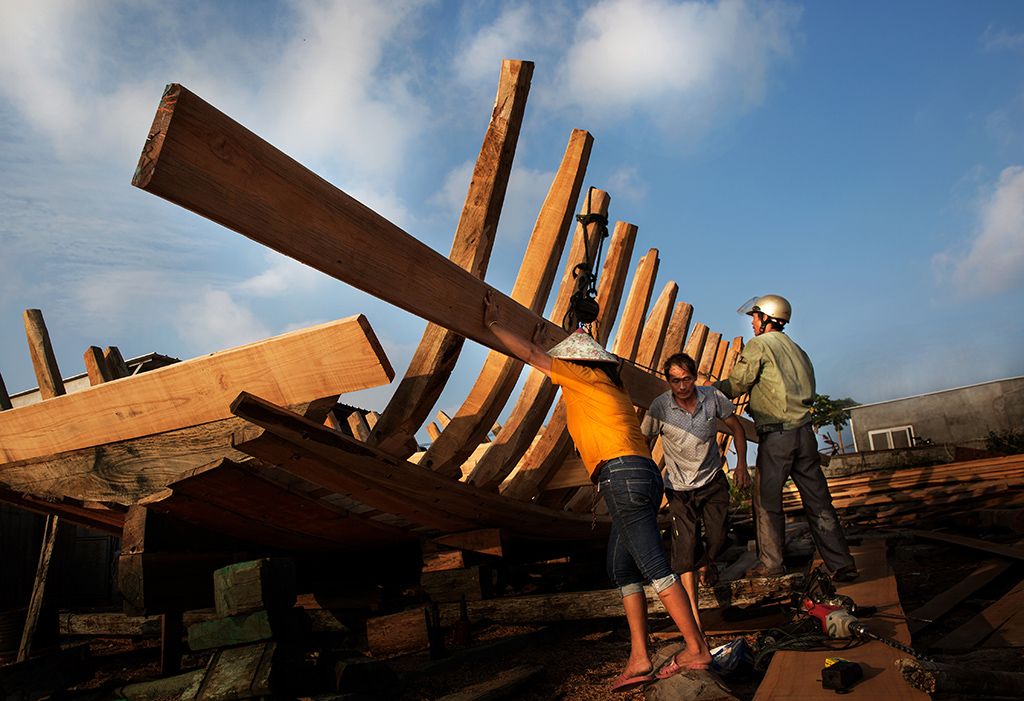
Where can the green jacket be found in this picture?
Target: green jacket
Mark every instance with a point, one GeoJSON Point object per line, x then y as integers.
{"type": "Point", "coordinates": [780, 379]}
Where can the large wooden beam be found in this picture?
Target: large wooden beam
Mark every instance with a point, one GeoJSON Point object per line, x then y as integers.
{"type": "Point", "coordinates": [199, 158]}
{"type": "Point", "coordinates": [498, 377]}
{"type": "Point", "coordinates": [439, 348]}
{"type": "Point", "coordinates": [321, 361]}
{"type": "Point", "coordinates": [127, 472]}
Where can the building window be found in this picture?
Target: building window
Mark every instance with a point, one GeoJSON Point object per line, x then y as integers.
{"type": "Point", "coordinates": [889, 438]}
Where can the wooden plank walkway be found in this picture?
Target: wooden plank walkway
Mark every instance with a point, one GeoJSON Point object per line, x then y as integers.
{"type": "Point", "coordinates": [796, 675]}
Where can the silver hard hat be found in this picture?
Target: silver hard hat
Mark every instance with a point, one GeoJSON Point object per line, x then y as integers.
{"type": "Point", "coordinates": [773, 306]}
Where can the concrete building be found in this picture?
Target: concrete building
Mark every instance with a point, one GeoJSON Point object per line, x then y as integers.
{"type": "Point", "coordinates": [960, 415]}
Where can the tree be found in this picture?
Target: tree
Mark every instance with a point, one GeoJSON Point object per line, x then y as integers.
{"type": "Point", "coordinates": [831, 412]}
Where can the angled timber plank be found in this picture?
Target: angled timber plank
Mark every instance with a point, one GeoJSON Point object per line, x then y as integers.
{"type": "Point", "coordinates": [332, 460]}
{"type": "Point", "coordinates": [497, 379]}
{"type": "Point", "coordinates": [439, 348]}
{"type": "Point", "coordinates": [200, 159]}
{"type": "Point", "coordinates": [235, 500]}
{"type": "Point", "coordinates": [538, 393]}
{"type": "Point", "coordinates": [320, 361]}
{"type": "Point", "coordinates": [104, 520]}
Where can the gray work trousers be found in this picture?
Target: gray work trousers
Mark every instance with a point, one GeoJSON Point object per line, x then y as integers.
{"type": "Point", "coordinates": [794, 453]}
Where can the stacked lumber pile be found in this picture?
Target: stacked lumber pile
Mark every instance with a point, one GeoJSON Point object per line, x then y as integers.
{"type": "Point", "coordinates": [912, 494]}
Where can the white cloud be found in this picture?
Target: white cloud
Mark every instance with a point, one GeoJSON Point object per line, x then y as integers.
{"type": "Point", "coordinates": [626, 183]}
{"type": "Point", "coordinates": [215, 322]}
{"type": "Point", "coordinates": [993, 40]}
{"type": "Point", "coordinates": [680, 64]}
{"type": "Point", "coordinates": [516, 28]}
{"type": "Point", "coordinates": [524, 197]}
{"type": "Point", "coordinates": [283, 276]}
{"type": "Point", "coordinates": [994, 261]}
{"type": "Point", "coordinates": [341, 92]}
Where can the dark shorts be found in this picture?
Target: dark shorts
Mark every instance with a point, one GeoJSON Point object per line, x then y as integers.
{"type": "Point", "coordinates": [699, 524]}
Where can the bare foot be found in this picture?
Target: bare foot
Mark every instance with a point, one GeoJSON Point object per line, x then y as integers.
{"type": "Point", "coordinates": [637, 668]}
{"type": "Point", "coordinates": [700, 659]}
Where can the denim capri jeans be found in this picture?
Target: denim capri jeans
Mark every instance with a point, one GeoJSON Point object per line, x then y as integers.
{"type": "Point", "coordinates": [633, 490]}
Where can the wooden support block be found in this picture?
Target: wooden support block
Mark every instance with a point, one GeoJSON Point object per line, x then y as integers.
{"type": "Point", "coordinates": [398, 633]}
{"type": "Point", "coordinates": [344, 670]}
{"type": "Point", "coordinates": [444, 560]}
{"type": "Point", "coordinates": [475, 583]}
{"type": "Point", "coordinates": [256, 670]}
{"type": "Point", "coordinates": [250, 586]}
{"type": "Point", "coordinates": [118, 625]}
{"type": "Point", "coordinates": [248, 628]}
{"type": "Point", "coordinates": [43, 676]}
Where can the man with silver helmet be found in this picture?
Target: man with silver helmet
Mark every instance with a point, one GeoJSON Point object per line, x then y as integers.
{"type": "Point", "coordinates": [780, 379]}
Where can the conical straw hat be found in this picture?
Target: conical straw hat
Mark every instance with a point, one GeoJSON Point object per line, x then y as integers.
{"type": "Point", "coordinates": [580, 346]}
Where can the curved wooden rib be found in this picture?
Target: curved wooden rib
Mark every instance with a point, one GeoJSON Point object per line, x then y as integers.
{"type": "Point", "coordinates": [540, 462]}
{"type": "Point", "coordinates": [527, 415]}
{"type": "Point", "coordinates": [497, 379]}
{"type": "Point", "coordinates": [656, 328]}
{"type": "Point", "coordinates": [706, 361]}
{"type": "Point", "coordinates": [695, 344]}
{"type": "Point", "coordinates": [439, 349]}
{"type": "Point", "coordinates": [627, 338]}
{"type": "Point", "coordinates": [675, 337]}
{"type": "Point", "coordinates": [336, 462]}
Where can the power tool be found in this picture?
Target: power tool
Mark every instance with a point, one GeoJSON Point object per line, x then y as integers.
{"type": "Point", "coordinates": [835, 612]}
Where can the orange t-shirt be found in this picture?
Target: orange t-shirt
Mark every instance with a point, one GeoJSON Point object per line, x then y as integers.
{"type": "Point", "coordinates": [600, 416]}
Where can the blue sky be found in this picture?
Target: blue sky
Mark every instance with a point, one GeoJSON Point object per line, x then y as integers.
{"type": "Point", "coordinates": [864, 159]}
